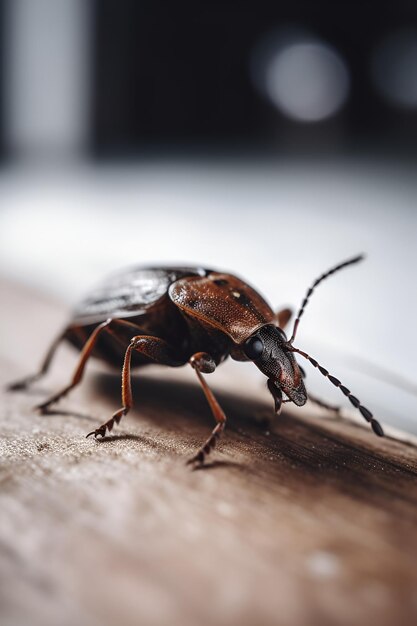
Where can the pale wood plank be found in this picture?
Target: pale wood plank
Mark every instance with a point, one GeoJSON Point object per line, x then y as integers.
{"type": "Point", "coordinates": [313, 523]}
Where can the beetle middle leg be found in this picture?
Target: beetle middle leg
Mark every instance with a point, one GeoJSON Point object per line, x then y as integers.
{"type": "Point", "coordinates": [202, 362]}
{"type": "Point", "coordinates": [154, 348]}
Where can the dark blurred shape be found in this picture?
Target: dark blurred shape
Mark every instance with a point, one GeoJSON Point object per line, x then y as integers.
{"type": "Point", "coordinates": [173, 72]}
{"type": "Point", "coordinates": [179, 74]}
{"type": "Point", "coordinates": [394, 68]}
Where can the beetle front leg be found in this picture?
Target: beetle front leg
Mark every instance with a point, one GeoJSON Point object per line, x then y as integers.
{"type": "Point", "coordinates": [202, 362]}
{"type": "Point", "coordinates": [323, 404]}
{"type": "Point", "coordinates": [154, 348]}
{"type": "Point", "coordinates": [276, 393]}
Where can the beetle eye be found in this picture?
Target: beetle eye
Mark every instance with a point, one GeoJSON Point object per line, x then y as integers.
{"type": "Point", "coordinates": [254, 347]}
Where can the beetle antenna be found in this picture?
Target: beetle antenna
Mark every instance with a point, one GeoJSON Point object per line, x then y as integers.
{"type": "Point", "coordinates": [366, 413]}
{"type": "Point", "coordinates": [318, 280]}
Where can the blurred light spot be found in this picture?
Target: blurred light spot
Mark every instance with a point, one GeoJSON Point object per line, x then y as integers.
{"type": "Point", "coordinates": [322, 564]}
{"type": "Point", "coordinates": [394, 68]}
{"type": "Point", "coordinates": [47, 82]}
{"type": "Point", "coordinates": [307, 81]}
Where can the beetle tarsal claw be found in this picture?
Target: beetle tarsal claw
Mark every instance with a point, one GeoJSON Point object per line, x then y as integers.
{"type": "Point", "coordinates": [43, 408]}
{"type": "Point", "coordinates": [17, 386]}
{"type": "Point", "coordinates": [115, 419]}
{"type": "Point", "coordinates": [98, 431]}
{"type": "Point", "coordinates": [197, 459]}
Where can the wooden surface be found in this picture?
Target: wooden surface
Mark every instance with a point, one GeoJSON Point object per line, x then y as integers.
{"type": "Point", "coordinates": [311, 522]}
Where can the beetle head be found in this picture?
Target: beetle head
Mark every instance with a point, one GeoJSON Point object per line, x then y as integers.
{"type": "Point", "coordinates": [268, 349]}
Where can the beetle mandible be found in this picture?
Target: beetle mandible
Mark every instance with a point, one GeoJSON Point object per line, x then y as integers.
{"type": "Point", "coordinates": [179, 315]}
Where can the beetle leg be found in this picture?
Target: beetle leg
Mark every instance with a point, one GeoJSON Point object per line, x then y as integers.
{"type": "Point", "coordinates": [276, 394]}
{"type": "Point", "coordinates": [78, 374]}
{"type": "Point", "coordinates": [156, 349]}
{"type": "Point", "coordinates": [26, 382]}
{"type": "Point", "coordinates": [283, 317]}
{"type": "Point", "coordinates": [85, 355]}
{"type": "Point", "coordinates": [202, 362]}
{"type": "Point", "coordinates": [325, 405]}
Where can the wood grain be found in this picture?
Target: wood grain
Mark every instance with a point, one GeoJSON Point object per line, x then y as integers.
{"type": "Point", "coordinates": [312, 521]}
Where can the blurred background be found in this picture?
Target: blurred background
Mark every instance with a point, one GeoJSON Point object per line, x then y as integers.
{"type": "Point", "coordinates": [266, 138]}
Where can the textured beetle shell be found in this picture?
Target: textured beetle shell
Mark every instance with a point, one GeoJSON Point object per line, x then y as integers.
{"type": "Point", "coordinates": [130, 293]}
{"type": "Point", "coordinates": [224, 301]}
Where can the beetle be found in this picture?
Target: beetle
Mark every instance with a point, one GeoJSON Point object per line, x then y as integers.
{"type": "Point", "coordinates": [179, 315]}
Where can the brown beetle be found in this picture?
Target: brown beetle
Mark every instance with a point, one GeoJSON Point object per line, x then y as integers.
{"type": "Point", "coordinates": [178, 315]}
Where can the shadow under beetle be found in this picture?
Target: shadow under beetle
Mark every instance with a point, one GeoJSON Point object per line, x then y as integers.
{"type": "Point", "coordinates": [179, 315]}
